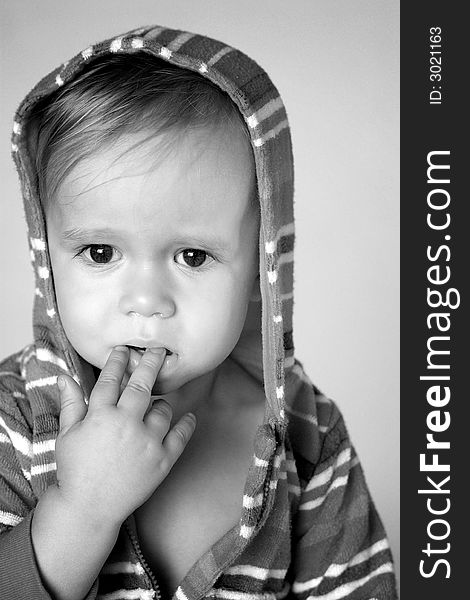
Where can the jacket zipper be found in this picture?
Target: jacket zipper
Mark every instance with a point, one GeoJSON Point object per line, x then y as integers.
{"type": "Point", "coordinates": [147, 569]}
{"type": "Point", "coordinates": [267, 484]}
{"type": "Point", "coordinates": [144, 563]}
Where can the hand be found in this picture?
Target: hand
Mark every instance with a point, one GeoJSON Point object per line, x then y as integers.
{"type": "Point", "coordinates": [113, 454]}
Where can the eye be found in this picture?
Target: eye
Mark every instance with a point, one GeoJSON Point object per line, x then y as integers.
{"type": "Point", "coordinates": [191, 257]}
{"type": "Point", "coordinates": [99, 253]}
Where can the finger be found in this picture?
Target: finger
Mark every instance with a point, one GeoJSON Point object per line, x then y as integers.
{"type": "Point", "coordinates": [158, 418]}
{"type": "Point", "coordinates": [107, 387]}
{"type": "Point", "coordinates": [178, 437]}
{"type": "Point", "coordinates": [72, 404]}
{"type": "Point", "coordinates": [136, 396]}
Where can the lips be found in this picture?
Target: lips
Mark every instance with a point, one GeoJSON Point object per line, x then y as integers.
{"type": "Point", "coordinates": [142, 349]}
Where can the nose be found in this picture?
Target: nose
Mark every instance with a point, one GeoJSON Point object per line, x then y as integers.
{"type": "Point", "coordinates": [147, 293]}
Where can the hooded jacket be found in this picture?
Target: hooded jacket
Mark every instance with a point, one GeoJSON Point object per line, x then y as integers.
{"type": "Point", "coordinates": [308, 527]}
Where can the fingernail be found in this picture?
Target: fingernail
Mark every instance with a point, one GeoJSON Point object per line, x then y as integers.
{"type": "Point", "coordinates": [61, 383]}
{"type": "Point", "coordinates": [192, 416]}
{"type": "Point", "coordinates": [121, 348]}
{"type": "Point", "coordinates": [157, 350]}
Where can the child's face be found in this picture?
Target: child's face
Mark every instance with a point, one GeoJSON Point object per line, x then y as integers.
{"type": "Point", "coordinates": [155, 253]}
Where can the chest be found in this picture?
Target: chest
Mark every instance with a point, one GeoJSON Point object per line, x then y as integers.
{"type": "Point", "coordinates": [199, 501]}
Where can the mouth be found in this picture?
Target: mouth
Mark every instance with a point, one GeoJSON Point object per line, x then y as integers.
{"type": "Point", "coordinates": [141, 349]}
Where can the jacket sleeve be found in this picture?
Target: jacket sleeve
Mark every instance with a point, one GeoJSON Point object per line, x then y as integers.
{"type": "Point", "coordinates": [340, 549]}
{"type": "Point", "coordinates": [20, 578]}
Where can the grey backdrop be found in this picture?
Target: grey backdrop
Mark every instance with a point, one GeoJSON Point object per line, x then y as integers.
{"type": "Point", "coordinates": [335, 63]}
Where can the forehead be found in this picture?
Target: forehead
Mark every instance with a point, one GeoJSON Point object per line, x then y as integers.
{"type": "Point", "coordinates": [197, 179]}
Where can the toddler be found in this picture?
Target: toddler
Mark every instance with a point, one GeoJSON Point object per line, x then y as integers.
{"type": "Point", "coordinates": [158, 438]}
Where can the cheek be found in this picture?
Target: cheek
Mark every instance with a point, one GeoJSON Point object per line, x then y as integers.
{"type": "Point", "coordinates": [217, 320]}
{"type": "Point", "coordinates": [80, 305]}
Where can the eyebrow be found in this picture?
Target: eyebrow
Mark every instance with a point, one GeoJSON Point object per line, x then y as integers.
{"type": "Point", "coordinates": [77, 234]}
{"type": "Point", "coordinates": [214, 242]}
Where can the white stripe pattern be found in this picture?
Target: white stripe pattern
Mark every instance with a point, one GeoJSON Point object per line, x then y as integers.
{"type": "Point", "coordinates": [20, 443]}
{"type": "Point", "coordinates": [289, 362]}
{"type": "Point", "coordinates": [43, 382]}
{"type": "Point", "coordinates": [348, 588]}
{"type": "Point", "coordinates": [137, 594]}
{"type": "Point", "coordinates": [123, 567]}
{"type": "Point", "coordinates": [280, 392]}
{"type": "Point", "coordinates": [4, 439]}
{"type": "Point", "coordinates": [259, 573]}
{"type": "Point", "coordinates": [287, 257]}
{"type": "Point", "coordinates": [335, 484]}
{"type": "Point", "coordinates": [45, 355]}
{"type": "Point", "coordinates": [137, 43]}
{"type": "Point", "coordinates": [38, 244]}
{"type": "Point", "coordinates": [260, 462]}
{"type": "Point", "coordinates": [87, 53]}
{"type": "Point", "coordinates": [116, 45]}
{"type": "Point", "coordinates": [27, 356]}
{"type": "Point", "coordinates": [233, 595]}
{"type": "Point", "coordinates": [44, 446]}
{"type": "Point", "coordinates": [290, 465]}
{"type": "Point", "coordinates": [277, 318]}
{"type": "Point", "coordinates": [283, 231]}
{"type": "Point", "coordinates": [270, 247]}
{"type": "Point", "coordinates": [278, 459]}
{"type": "Point", "coordinates": [9, 519]}
{"type": "Point", "coordinates": [41, 469]}
{"type": "Point", "coordinates": [272, 133]}
{"type": "Point", "coordinates": [43, 272]}
{"type": "Point", "coordinates": [179, 40]}
{"type": "Point", "coordinates": [219, 55]}
{"type": "Point", "coordinates": [297, 370]}
{"type": "Point", "coordinates": [293, 488]}
{"type": "Point", "coordinates": [38, 292]}
{"type": "Point", "coordinates": [246, 531]}
{"type": "Point", "coordinates": [165, 52]}
{"type": "Point", "coordinates": [264, 112]}
{"type": "Point", "coordinates": [16, 128]}
{"type": "Point", "coordinates": [340, 481]}
{"type": "Point", "coordinates": [301, 415]}
{"type": "Point", "coordinates": [252, 502]}
{"type": "Point", "coordinates": [153, 33]}
{"type": "Point", "coordinates": [318, 480]}
{"type": "Point", "coordinates": [50, 312]}
{"type": "Point", "coordinates": [335, 570]}
{"type": "Point", "coordinates": [180, 594]}
{"type": "Point", "coordinates": [59, 81]}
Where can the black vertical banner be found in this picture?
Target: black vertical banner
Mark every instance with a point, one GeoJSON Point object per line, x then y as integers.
{"type": "Point", "coordinates": [435, 242]}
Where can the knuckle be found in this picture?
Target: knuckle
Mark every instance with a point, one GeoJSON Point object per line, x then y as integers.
{"type": "Point", "coordinates": [163, 407]}
{"type": "Point", "coordinates": [118, 359]}
{"type": "Point", "coordinates": [139, 387]}
{"type": "Point", "coordinates": [181, 434]}
{"type": "Point", "coordinates": [107, 378]}
{"type": "Point", "coordinates": [165, 465]}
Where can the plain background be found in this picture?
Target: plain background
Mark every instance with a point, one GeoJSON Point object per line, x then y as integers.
{"type": "Point", "coordinates": [335, 63]}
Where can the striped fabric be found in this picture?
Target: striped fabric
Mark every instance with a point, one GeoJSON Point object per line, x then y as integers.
{"type": "Point", "coordinates": [307, 528]}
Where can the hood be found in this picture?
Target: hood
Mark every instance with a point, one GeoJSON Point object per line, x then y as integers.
{"type": "Point", "coordinates": [266, 353]}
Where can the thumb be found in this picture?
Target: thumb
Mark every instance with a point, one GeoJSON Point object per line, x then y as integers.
{"type": "Point", "coordinates": [72, 405]}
